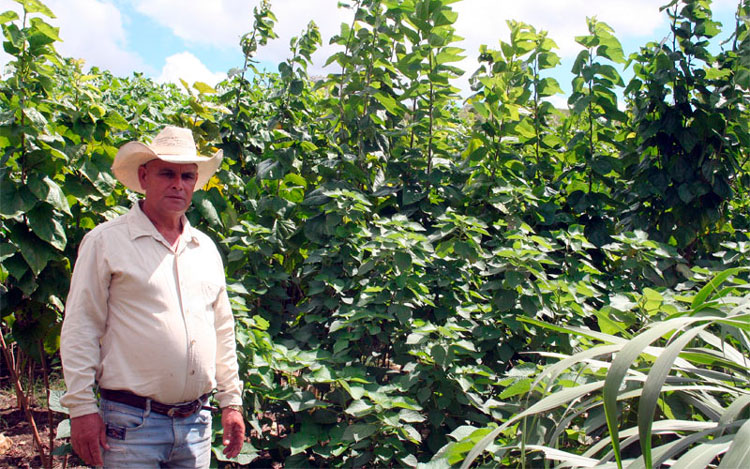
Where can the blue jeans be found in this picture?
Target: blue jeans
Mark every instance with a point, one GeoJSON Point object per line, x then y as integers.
{"type": "Point", "coordinates": [139, 438]}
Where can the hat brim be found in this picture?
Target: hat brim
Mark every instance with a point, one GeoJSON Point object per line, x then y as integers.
{"type": "Point", "coordinates": [134, 154]}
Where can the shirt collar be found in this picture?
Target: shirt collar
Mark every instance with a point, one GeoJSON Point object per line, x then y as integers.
{"type": "Point", "coordinates": [139, 225]}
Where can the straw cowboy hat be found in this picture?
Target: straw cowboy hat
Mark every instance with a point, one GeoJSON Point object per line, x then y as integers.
{"type": "Point", "coordinates": [173, 145]}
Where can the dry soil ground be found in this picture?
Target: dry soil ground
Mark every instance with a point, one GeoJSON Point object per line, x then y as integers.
{"type": "Point", "coordinates": [16, 442]}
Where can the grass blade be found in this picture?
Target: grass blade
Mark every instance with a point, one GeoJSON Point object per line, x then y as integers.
{"type": "Point", "coordinates": [738, 454]}
{"type": "Point", "coordinates": [550, 402]}
{"type": "Point", "coordinates": [622, 363]}
{"type": "Point", "coordinates": [701, 456]}
{"type": "Point", "coordinates": [652, 388]}
{"type": "Point", "coordinates": [713, 286]}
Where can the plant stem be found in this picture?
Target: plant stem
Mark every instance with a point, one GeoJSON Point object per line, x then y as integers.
{"type": "Point", "coordinates": [22, 399]}
{"type": "Point", "coordinates": [50, 416]}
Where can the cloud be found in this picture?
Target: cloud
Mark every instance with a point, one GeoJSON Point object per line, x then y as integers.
{"type": "Point", "coordinates": [93, 30]}
{"type": "Point", "coordinates": [218, 23]}
{"type": "Point", "coordinates": [293, 17]}
{"type": "Point", "coordinates": [186, 66]}
{"type": "Point", "coordinates": [484, 21]}
{"type": "Point", "coordinates": [97, 30]}
{"type": "Point", "coordinates": [221, 23]}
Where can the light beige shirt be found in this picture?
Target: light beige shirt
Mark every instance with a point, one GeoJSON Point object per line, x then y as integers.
{"type": "Point", "coordinates": [147, 318]}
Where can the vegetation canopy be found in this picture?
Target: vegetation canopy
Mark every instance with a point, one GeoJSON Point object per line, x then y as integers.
{"type": "Point", "coordinates": [420, 281]}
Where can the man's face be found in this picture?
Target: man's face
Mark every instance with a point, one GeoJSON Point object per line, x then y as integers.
{"type": "Point", "coordinates": [169, 186]}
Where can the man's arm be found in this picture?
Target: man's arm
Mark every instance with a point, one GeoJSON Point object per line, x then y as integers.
{"type": "Point", "coordinates": [83, 326]}
{"type": "Point", "coordinates": [229, 392]}
{"type": "Point", "coordinates": [227, 375]}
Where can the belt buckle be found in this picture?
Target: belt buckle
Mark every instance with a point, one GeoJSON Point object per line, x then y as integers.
{"type": "Point", "coordinates": [182, 411]}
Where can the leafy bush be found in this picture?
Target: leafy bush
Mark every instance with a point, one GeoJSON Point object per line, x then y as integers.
{"type": "Point", "coordinates": [415, 281]}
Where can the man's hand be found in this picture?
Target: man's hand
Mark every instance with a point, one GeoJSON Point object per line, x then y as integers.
{"type": "Point", "coordinates": [87, 434]}
{"type": "Point", "coordinates": [234, 431]}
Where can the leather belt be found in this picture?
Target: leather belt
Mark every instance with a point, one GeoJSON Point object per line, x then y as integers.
{"type": "Point", "coordinates": [176, 410]}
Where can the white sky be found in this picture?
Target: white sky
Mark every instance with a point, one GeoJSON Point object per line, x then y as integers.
{"type": "Point", "coordinates": [197, 40]}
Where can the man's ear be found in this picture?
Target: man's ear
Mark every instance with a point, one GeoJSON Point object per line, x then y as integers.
{"type": "Point", "coordinates": [142, 175]}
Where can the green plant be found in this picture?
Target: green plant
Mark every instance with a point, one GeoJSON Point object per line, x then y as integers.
{"type": "Point", "coordinates": [676, 400]}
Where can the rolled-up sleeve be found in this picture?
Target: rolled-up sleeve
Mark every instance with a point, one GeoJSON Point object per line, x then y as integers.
{"type": "Point", "coordinates": [84, 324]}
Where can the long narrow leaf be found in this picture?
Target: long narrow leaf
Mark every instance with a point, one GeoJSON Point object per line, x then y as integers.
{"type": "Point", "coordinates": [550, 402]}
{"type": "Point", "coordinates": [559, 455]}
{"type": "Point", "coordinates": [729, 351]}
{"type": "Point", "coordinates": [620, 366]}
{"type": "Point", "coordinates": [713, 285]}
{"type": "Point", "coordinates": [700, 456]}
{"type": "Point", "coordinates": [582, 331]}
{"type": "Point", "coordinates": [734, 409]}
{"type": "Point", "coordinates": [660, 427]}
{"type": "Point", "coordinates": [673, 448]}
{"type": "Point", "coordinates": [738, 454]}
{"type": "Point", "coordinates": [652, 388]}
{"type": "Point", "coordinates": [555, 370]}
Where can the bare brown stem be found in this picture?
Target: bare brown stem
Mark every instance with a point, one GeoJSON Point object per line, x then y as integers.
{"type": "Point", "coordinates": [23, 400]}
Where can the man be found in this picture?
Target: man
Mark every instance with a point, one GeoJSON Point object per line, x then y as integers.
{"type": "Point", "coordinates": [148, 320]}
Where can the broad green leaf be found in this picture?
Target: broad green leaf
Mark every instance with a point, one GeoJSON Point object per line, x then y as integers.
{"type": "Point", "coordinates": [269, 169]}
{"type": "Point", "coordinates": [609, 326]}
{"type": "Point", "coordinates": [521, 386]}
{"type": "Point", "coordinates": [15, 199]}
{"type": "Point", "coordinates": [50, 32]}
{"type": "Point", "coordinates": [36, 117]}
{"type": "Point", "coordinates": [203, 88]}
{"type": "Point", "coordinates": [45, 224]}
{"type": "Point", "coordinates": [36, 6]}
{"type": "Point", "coordinates": [63, 429]}
{"type": "Point", "coordinates": [717, 74]}
{"type": "Point", "coordinates": [8, 16]}
{"type": "Point", "coordinates": [304, 400]}
{"type": "Point", "coordinates": [7, 250]}
{"type": "Point", "coordinates": [116, 121]}
{"type": "Point", "coordinates": [299, 441]}
{"type": "Point", "coordinates": [47, 190]}
{"type": "Point", "coordinates": [63, 450]}
{"type": "Point", "coordinates": [482, 109]}
{"type": "Point", "coordinates": [548, 87]}
{"type": "Point", "coordinates": [54, 401]}
{"type": "Point", "coordinates": [248, 454]}
{"type": "Point", "coordinates": [206, 208]}
{"type": "Point", "coordinates": [36, 254]}
{"type": "Point", "coordinates": [359, 431]}
{"type": "Point", "coordinates": [402, 260]}
{"type": "Point", "coordinates": [359, 408]}
{"type": "Point", "coordinates": [411, 416]}
{"type": "Point", "coordinates": [449, 54]}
